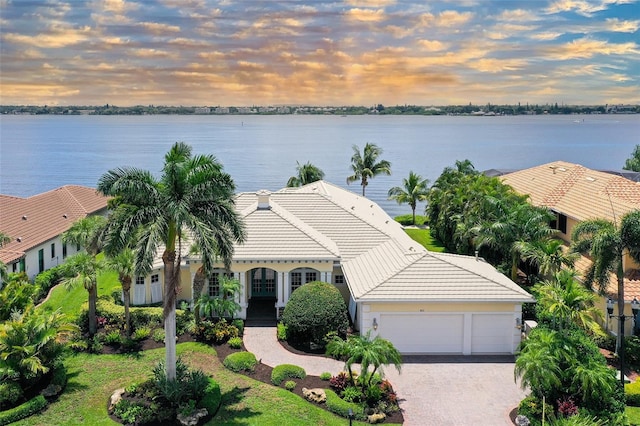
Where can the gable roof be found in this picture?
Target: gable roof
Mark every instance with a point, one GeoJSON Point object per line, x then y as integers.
{"type": "Point", "coordinates": [576, 191]}
{"type": "Point", "coordinates": [380, 261]}
{"type": "Point", "coordinates": [39, 218]}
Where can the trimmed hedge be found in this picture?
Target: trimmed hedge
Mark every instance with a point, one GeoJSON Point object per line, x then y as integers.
{"type": "Point", "coordinates": [212, 398]}
{"type": "Point", "coordinates": [632, 393]}
{"type": "Point", "coordinates": [23, 411]}
{"type": "Point", "coordinates": [240, 361]}
{"type": "Point", "coordinates": [286, 371]}
{"type": "Point", "coordinates": [338, 406]}
{"type": "Point", "coordinates": [313, 311]}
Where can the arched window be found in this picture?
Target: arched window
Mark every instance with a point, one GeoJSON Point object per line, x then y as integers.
{"type": "Point", "coordinates": [299, 277]}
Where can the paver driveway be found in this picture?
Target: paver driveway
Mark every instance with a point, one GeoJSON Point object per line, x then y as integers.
{"type": "Point", "coordinates": [434, 390]}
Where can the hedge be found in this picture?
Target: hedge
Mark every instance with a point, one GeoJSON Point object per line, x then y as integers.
{"type": "Point", "coordinates": [23, 411]}
{"type": "Point", "coordinates": [240, 361]}
{"type": "Point", "coordinates": [286, 371]}
{"type": "Point", "coordinates": [212, 397]}
{"type": "Point", "coordinates": [338, 406]}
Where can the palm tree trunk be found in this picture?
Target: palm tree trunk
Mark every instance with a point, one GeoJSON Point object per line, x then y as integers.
{"type": "Point", "coordinates": [198, 285]}
{"type": "Point", "coordinates": [620, 337]}
{"type": "Point", "coordinates": [93, 297]}
{"type": "Point", "coordinates": [126, 290]}
{"type": "Point", "coordinates": [171, 283]}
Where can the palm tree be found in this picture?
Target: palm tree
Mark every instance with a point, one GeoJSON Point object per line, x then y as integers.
{"type": "Point", "coordinates": [123, 264]}
{"type": "Point", "coordinates": [193, 195]}
{"type": "Point", "coordinates": [366, 166]}
{"type": "Point", "coordinates": [633, 162]}
{"type": "Point", "coordinates": [306, 174]}
{"type": "Point", "coordinates": [4, 239]}
{"type": "Point", "coordinates": [607, 244]}
{"type": "Point", "coordinates": [367, 352]}
{"type": "Point", "coordinates": [565, 301]}
{"type": "Point", "coordinates": [548, 254]}
{"type": "Point", "coordinates": [86, 232]}
{"type": "Point", "coordinates": [413, 189]}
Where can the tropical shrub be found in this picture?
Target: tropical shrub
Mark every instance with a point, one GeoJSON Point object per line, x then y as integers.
{"type": "Point", "coordinates": [217, 332]}
{"type": "Point", "coordinates": [325, 376]}
{"type": "Point", "coordinates": [281, 332]}
{"type": "Point", "coordinates": [45, 280]}
{"type": "Point", "coordinates": [352, 394]}
{"type": "Point", "coordinates": [10, 394]}
{"type": "Point", "coordinates": [290, 385]}
{"type": "Point", "coordinates": [286, 371]}
{"type": "Point", "coordinates": [15, 295]}
{"type": "Point", "coordinates": [23, 411]}
{"type": "Point", "coordinates": [235, 343]}
{"type": "Point", "coordinates": [134, 412]}
{"type": "Point", "coordinates": [340, 382]}
{"type": "Point", "coordinates": [314, 310]}
{"type": "Point", "coordinates": [632, 393]}
{"type": "Point", "coordinates": [338, 406]}
{"type": "Point", "coordinates": [407, 219]}
{"type": "Point", "coordinates": [632, 351]}
{"type": "Point", "coordinates": [158, 335]}
{"type": "Point", "coordinates": [240, 361]}
{"type": "Point", "coordinates": [531, 407]}
{"type": "Point", "coordinates": [113, 338]}
{"type": "Point", "coordinates": [239, 324]}
{"type": "Point", "coordinates": [141, 333]}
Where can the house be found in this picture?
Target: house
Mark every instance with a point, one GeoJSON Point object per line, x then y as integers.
{"type": "Point", "coordinates": [575, 193]}
{"type": "Point", "coordinates": [422, 302]}
{"type": "Point", "coordinates": [35, 225]}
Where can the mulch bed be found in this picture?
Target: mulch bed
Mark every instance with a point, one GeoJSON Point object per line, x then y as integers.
{"type": "Point", "coordinates": [262, 372]}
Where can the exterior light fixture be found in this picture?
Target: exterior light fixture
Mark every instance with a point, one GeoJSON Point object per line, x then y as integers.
{"type": "Point", "coordinates": [635, 308]}
{"type": "Point", "coordinates": [519, 323]}
{"type": "Point", "coordinates": [609, 306]}
{"type": "Point", "coordinates": [375, 324]}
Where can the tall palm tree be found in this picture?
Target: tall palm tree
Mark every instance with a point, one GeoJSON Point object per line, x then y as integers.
{"type": "Point", "coordinates": [4, 239]}
{"type": "Point", "coordinates": [607, 244]}
{"type": "Point", "coordinates": [366, 166]}
{"type": "Point", "coordinates": [86, 232]}
{"type": "Point", "coordinates": [565, 301]}
{"type": "Point", "coordinates": [193, 195]}
{"type": "Point", "coordinates": [306, 174]}
{"type": "Point", "coordinates": [413, 189]}
{"type": "Point", "coordinates": [548, 254]}
{"type": "Point", "coordinates": [123, 263]}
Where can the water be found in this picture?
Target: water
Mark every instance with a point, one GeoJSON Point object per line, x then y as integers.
{"type": "Point", "coordinates": [39, 153]}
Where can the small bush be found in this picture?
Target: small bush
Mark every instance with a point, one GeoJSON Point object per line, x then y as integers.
{"type": "Point", "coordinates": [131, 412]}
{"type": "Point", "coordinates": [10, 394]}
{"type": "Point", "coordinates": [45, 280]}
{"type": "Point", "coordinates": [240, 361]}
{"type": "Point", "coordinates": [235, 342]}
{"type": "Point", "coordinates": [290, 385]}
{"type": "Point", "coordinates": [338, 406]}
{"type": "Point", "coordinates": [286, 371]}
{"type": "Point", "coordinates": [282, 332]}
{"type": "Point", "coordinates": [407, 219]}
{"type": "Point", "coordinates": [217, 332]}
{"type": "Point", "coordinates": [141, 333]}
{"type": "Point", "coordinates": [632, 393]}
{"type": "Point", "coordinates": [113, 338]}
{"type": "Point", "coordinates": [340, 382]}
{"type": "Point", "coordinates": [158, 335]}
{"type": "Point", "coordinates": [325, 376]}
{"type": "Point", "coordinates": [352, 394]}
{"type": "Point", "coordinates": [23, 411]}
{"type": "Point", "coordinates": [314, 310]}
{"type": "Point", "coordinates": [239, 324]}
{"type": "Point", "coordinates": [531, 407]}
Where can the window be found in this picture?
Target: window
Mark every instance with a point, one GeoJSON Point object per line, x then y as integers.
{"type": "Point", "coordinates": [64, 250]}
{"type": "Point", "coordinates": [562, 223]}
{"type": "Point", "coordinates": [310, 277]}
{"type": "Point", "coordinates": [23, 265]}
{"type": "Point", "coordinates": [53, 250]}
{"type": "Point", "coordinates": [77, 247]}
{"type": "Point", "coordinates": [14, 267]}
{"type": "Point", "coordinates": [302, 276]}
{"type": "Point", "coordinates": [214, 285]}
{"type": "Point", "coordinates": [40, 260]}
{"type": "Point", "coordinates": [155, 279]}
{"type": "Point", "coordinates": [339, 279]}
{"type": "Point", "coordinates": [139, 280]}
{"type": "Point", "coordinates": [296, 280]}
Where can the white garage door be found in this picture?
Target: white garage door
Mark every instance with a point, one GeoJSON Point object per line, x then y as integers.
{"type": "Point", "coordinates": [423, 333]}
{"type": "Point", "coordinates": [492, 333]}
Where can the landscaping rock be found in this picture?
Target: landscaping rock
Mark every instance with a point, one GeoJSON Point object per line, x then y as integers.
{"type": "Point", "coordinates": [193, 418]}
{"type": "Point", "coordinates": [522, 420]}
{"type": "Point", "coordinates": [115, 398]}
{"type": "Point", "coordinates": [315, 395]}
{"type": "Point", "coordinates": [51, 391]}
{"type": "Point", "coordinates": [376, 418]}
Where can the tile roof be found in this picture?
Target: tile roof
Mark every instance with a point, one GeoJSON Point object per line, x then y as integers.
{"type": "Point", "coordinates": [380, 261]}
{"type": "Point", "coordinates": [576, 191]}
{"type": "Point", "coordinates": [41, 217]}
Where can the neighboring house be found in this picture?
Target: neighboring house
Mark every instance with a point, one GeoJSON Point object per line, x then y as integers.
{"type": "Point", "coordinates": [421, 301]}
{"type": "Point", "coordinates": [35, 225]}
{"type": "Point", "coordinates": [575, 193]}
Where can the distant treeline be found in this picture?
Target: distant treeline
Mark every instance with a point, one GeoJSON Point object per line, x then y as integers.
{"type": "Point", "coordinates": [470, 109]}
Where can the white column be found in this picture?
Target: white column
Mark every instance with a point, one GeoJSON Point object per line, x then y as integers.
{"type": "Point", "coordinates": [280, 289]}
{"type": "Point", "coordinates": [327, 278]}
{"type": "Point", "coordinates": [287, 287]}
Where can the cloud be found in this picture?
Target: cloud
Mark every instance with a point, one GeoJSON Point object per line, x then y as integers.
{"type": "Point", "coordinates": [583, 7]}
{"type": "Point", "coordinates": [616, 25]}
{"type": "Point", "coordinates": [56, 37]}
{"type": "Point", "coordinates": [158, 28]}
{"type": "Point", "coordinates": [588, 48]}
{"type": "Point", "coordinates": [365, 15]}
{"type": "Point", "coordinates": [432, 45]}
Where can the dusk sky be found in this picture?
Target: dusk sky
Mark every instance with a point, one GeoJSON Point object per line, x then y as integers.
{"type": "Point", "coordinates": [354, 52]}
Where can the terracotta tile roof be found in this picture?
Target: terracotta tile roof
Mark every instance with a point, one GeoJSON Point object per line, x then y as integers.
{"type": "Point", "coordinates": [42, 217]}
{"type": "Point", "coordinates": [576, 191]}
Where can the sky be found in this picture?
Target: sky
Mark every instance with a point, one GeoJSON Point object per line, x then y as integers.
{"type": "Point", "coordinates": [353, 52]}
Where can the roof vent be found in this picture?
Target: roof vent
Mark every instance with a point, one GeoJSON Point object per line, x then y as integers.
{"type": "Point", "coordinates": [24, 217]}
{"type": "Point", "coordinates": [19, 239]}
{"type": "Point", "coordinates": [263, 199]}
{"type": "Point", "coordinates": [590, 179]}
{"type": "Point", "coordinates": [64, 215]}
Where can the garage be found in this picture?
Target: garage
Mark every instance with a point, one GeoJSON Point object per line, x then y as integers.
{"type": "Point", "coordinates": [424, 333]}
{"type": "Point", "coordinates": [492, 333]}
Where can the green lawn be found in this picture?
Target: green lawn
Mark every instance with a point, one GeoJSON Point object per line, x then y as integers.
{"type": "Point", "coordinates": [92, 379]}
{"type": "Point", "coordinates": [634, 415]}
{"type": "Point", "coordinates": [423, 236]}
{"type": "Point", "coordinates": [70, 301]}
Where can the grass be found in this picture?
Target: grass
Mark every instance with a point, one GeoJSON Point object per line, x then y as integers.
{"type": "Point", "coordinates": [92, 379]}
{"type": "Point", "coordinates": [633, 413]}
{"type": "Point", "coordinates": [70, 301]}
{"type": "Point", "coordinates": [423, 236]}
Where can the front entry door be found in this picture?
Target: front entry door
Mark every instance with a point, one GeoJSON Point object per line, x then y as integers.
{"type": "Point", "coordinates": [263, 282]}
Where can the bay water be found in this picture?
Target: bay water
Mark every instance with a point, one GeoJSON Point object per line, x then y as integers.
{"type": "Point", "coordinates": [39, 153]}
